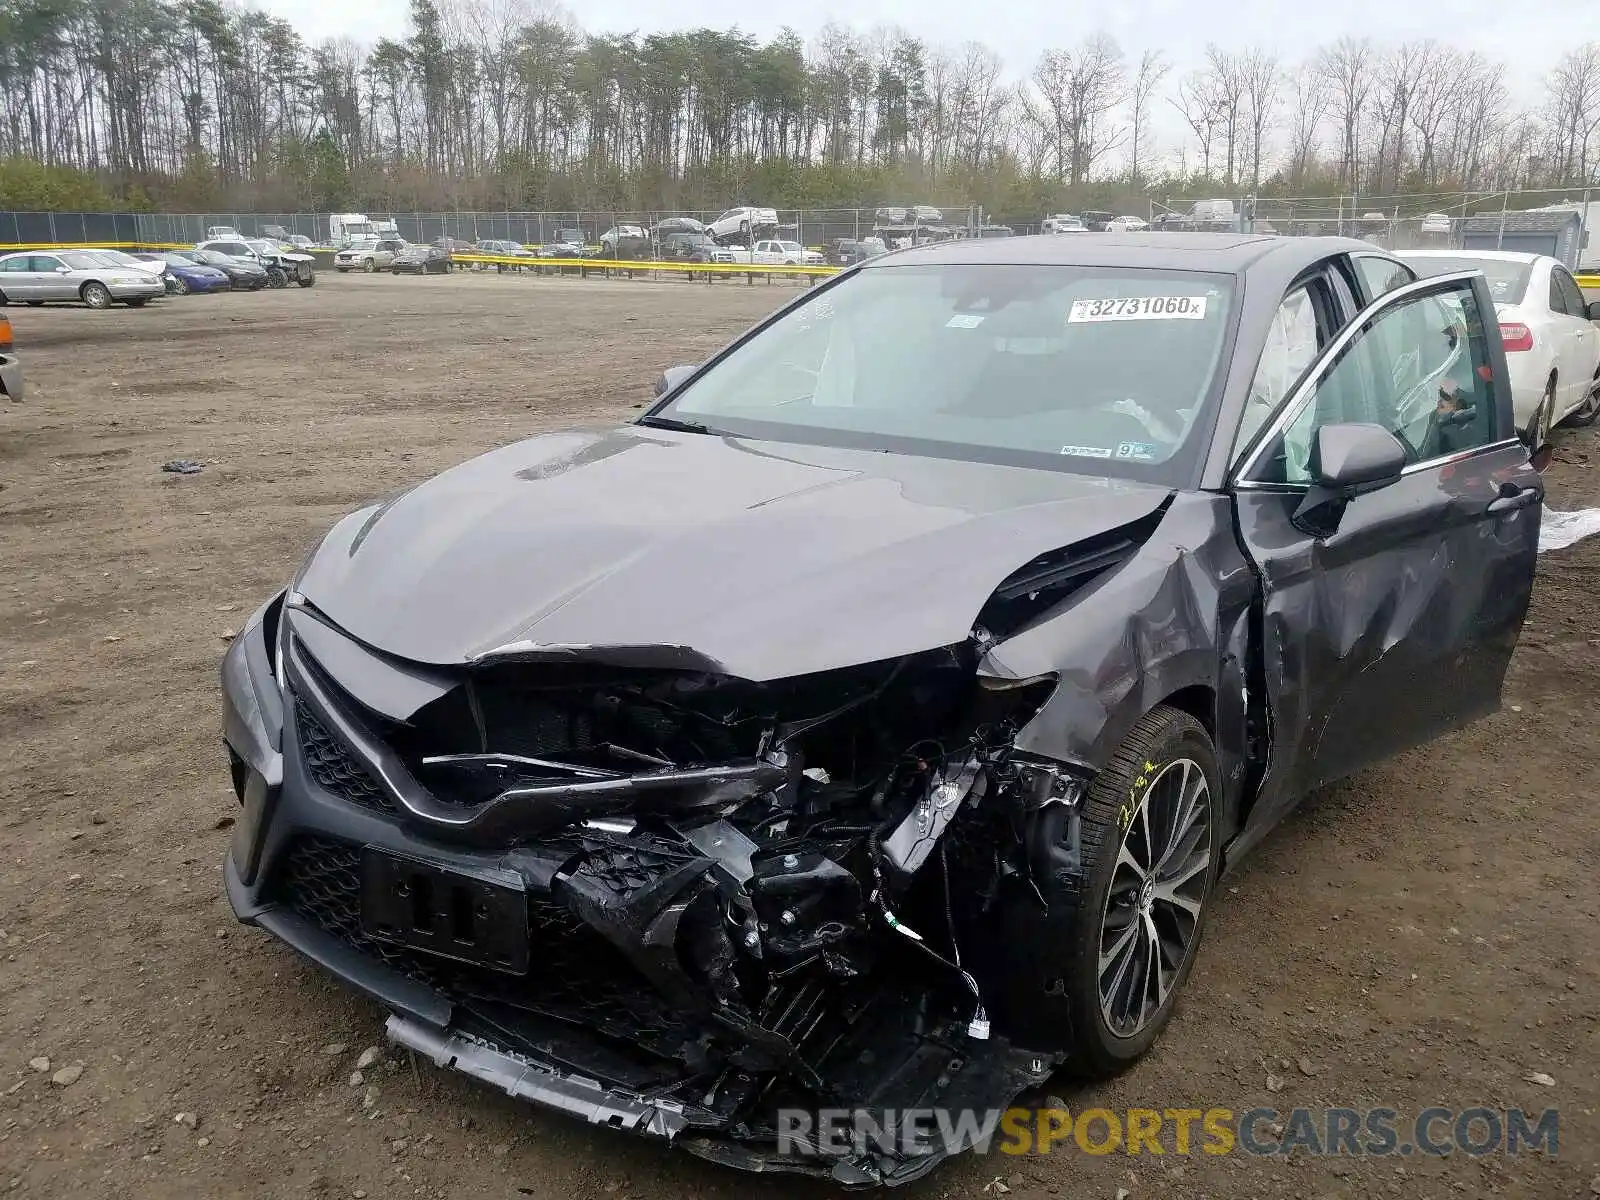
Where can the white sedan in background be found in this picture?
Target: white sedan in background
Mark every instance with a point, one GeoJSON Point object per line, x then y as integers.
{"type": "Point", "coordinates": [1552, 345]}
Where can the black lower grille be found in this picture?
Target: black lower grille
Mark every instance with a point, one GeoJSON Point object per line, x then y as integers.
{"type": "Point", "coordinates": [334, 768]}
{"type": "Point", "coordinates": [577, 975]}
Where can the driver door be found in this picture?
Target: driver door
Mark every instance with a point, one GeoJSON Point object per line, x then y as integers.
{"type": "Point", "coordinates": [1390, 618]}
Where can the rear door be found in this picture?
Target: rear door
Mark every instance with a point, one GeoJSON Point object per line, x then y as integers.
{"type": "Point", "coordinates": [1580, 348]}
{"type": "Point", "coordinates": [1394, 619]}
{"type": "Point", "coordinates": [48, 279]}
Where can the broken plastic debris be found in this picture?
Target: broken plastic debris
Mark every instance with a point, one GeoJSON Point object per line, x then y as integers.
{"type": "Point", "coordinates": [1558, 530]}
{"type": "Point", "coordinates": [182, 466]}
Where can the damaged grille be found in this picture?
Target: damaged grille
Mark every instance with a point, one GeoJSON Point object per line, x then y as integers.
{"type": "Point", "coordinates": [334, 768]}
{"type": "Point", "coordinates": [577, 977]}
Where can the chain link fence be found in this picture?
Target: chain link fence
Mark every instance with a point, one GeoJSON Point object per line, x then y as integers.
{"type": "Point", "coordinates": [814, 228]}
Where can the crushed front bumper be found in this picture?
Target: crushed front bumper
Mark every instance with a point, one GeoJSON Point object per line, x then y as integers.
{"type": "Point", "coordinates": [583, 1033]}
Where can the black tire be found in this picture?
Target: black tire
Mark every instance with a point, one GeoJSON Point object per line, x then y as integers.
{"type": "Point", "coordinates": [307, 278]}
{"type": "Point", "coordinates": [3, 300]}
{"type": "Point", "coordinates": [1586, 413]}
{"type": "Point", "coordinates": [1048, 964]}
{"type": "Point", "coordinates": [1543, 419]}
{"type": "Point", "coordinates": [181, 287]}
{"type": "Point", "coordinates": [277, 277]}
{"type": "Point", "coordinates": [95, 294]}
{"type": "Point", "coordinates": [369, 265]}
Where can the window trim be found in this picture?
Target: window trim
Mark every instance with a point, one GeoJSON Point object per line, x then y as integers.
{"type": "Point", "coordinates": [1240, 476]}
{"type": "Point", "coordinates": [1361, 282]}
{"type": "Point", "coordinates": [1322, 295]}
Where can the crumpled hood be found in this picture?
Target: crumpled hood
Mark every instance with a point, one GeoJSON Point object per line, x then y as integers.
{"type": "Point", "coordinates": [758, 559]}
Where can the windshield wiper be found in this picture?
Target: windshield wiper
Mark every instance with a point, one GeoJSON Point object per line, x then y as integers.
{"type": "Point", "coordinates": [676, 425]}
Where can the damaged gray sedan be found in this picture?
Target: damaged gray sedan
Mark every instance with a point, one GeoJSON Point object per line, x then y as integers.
{"type": "Point", "coordinates": [866, 725]}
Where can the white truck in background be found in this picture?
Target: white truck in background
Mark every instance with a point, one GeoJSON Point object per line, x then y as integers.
{"type": "Point", "coordinates": [358, 227]}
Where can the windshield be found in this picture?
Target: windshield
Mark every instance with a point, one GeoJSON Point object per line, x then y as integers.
{"type": "Point", "coordinates": [88, 260]}
{"type": "Point", "coordinates": [1094, 369]}
{"type": "Point", "coordinates": [1508, 278]}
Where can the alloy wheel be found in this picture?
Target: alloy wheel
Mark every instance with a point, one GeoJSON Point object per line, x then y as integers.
{"type": "Point", "coordinates": [95, 295]}
{"type": "Point", "coordinates": [1152, 913]}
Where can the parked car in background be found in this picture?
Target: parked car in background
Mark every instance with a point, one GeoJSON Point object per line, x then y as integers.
{"type": "Point", "coordinates": [186, 275]}
{"type": "Point", "coordinates": [1126, 224]}
{"type": "Point", "coordinates": [670, 225]}
{"type": "Point", "coordinates": [373, 256]}
{"type": "Point", "coordinates": [1552, 348]}
{"type": "Point", "coordinates": [277, 233]}
{"type": "Point", "coordinates": [926, 214]}
{"type": "Point", "coordinates": [1097, 222]}
{"type": "Point", "coordinates": [995, 231]}
{"type": "Point", "coordinates": [567, 243]}
{"type": "Point", "coordinates": [299, 241]}
{"type": "Point", "coordinates": [844, 252]}
{"type": "Point", "coordinates": [40, 277]}
{"type": "Point", "coordinates": [743, 224]}
{"type": "Point", "coordinates": [281, 266]}
{"type": "Point", "coordinates": [432, 259]}
{"type": "Point", "coordinates": [1436, 223]}
{"type": "Point", "coordinates": [1063, 223]}
{"type": "Point", "coordinates": [685, 246]}
{"type": "Point", "coordinates": [626, 242]}
{"type": "Point", "coordinates": [244, 275]}
{"type": "Point", "coordinates": [217, 232]}
{"type": "Point", "coordinates": [296, 267]}
{"type": "Point", "coordinates": [774, 253]}
{"type": "Point", "coordinates": [11, 382]}
{"type": "Point", "coordinates": [133, 262]}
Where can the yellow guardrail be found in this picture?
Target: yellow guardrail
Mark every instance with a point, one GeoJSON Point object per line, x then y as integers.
{"type": "Point", "coordinates": [1589, 281]}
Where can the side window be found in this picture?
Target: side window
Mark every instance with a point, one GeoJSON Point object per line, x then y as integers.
{"type": "Point", "coordinates": [17, 264]}
{"type": "Point", "coordinates": [45, 262]}
{"type": "Point", "coordinates": [1420, 368]}
{"type": "Point", "coordinates": [1380, 276]}
{"type": "Point", "coordinates": [1575, 304]}
{"type": "Point", "coordinates": [1293, 343]}
{"type": "Point", "coordinates": [1558, 299]}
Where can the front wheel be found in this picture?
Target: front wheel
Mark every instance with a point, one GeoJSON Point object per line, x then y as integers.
{"type": "Point", "coordinates": [277, 277]}
{"type": "Point", "coordinates": [96, 295]}
{"type": "Point", "coordinates": [1096, 974]}
{"type": "Point", "coordinates": [369, 266]}
{"type": "Point", "coordinates": [306, 279]}
{"type": "Point", "coordinates": [181, 287]}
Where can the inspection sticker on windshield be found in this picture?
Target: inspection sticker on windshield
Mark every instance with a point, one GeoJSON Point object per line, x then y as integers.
{"type": "Point", "coordinates": [1138, 308]}
{"type": "Point", "coordinates": [964, 321]}
{"type": "Point", "coordinates": [1088, 451]}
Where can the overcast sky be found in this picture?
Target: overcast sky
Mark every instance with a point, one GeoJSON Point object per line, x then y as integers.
{"type": "Point", "coordinates": [1528, 35]}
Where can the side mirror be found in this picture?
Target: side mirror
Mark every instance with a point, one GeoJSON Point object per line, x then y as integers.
{"type": "Point", "coordinates": [1353, 458]}
{"type": "Point", "coordinates": [1594, 310]}
{"type": "Point", "coordinates": [1346, 460]}
{"type": "Point", "coordinates": [673, 376]}
{"type": "Point", "coordinates": [63, 270]}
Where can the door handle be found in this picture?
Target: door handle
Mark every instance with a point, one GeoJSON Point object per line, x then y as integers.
{"type": "Point", "coordinates": [1512, 498]}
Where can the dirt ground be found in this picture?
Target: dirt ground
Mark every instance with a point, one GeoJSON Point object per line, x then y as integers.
{"type": "Point", "coordinates": [1423, 935]}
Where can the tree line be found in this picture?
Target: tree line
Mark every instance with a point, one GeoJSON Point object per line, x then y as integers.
{"type": "Point", "coordinates": [499, 104]}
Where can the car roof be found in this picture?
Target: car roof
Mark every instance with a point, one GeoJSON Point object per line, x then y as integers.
{"type": "Point", "coordinates": [1231, 253]}
{"type": "Point", "coordinates": [1518, 256]}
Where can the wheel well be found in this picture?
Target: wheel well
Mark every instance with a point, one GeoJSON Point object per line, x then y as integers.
{"type": "Point", "coordinates": [1200, 702]}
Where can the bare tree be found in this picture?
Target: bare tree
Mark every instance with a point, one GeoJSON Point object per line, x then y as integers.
{"type": "Point", "coordinates": [1227, 88]}
{"type": "Point", "coordinates": [1198, 106]}
{"type": "Point", "coordinates": [1308, 99]}
{"type": "Point", "coordinates": [1347, 68]}
{"type": "Point", "coordinates": [1153, 68]}
{"type": "Point", "coordinates": [1574, 113]}
{"type": "Point", "coordinates": [1080, 88]}
{"type": "Point", "coordinates": [1262, 80]}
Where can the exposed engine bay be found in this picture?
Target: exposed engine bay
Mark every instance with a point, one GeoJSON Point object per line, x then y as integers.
{"type": "Point", "coordinates": [743, 897]}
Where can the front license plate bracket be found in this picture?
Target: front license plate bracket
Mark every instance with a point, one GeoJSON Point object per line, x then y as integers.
{"type": "Point", "coordinates": [448, 913]}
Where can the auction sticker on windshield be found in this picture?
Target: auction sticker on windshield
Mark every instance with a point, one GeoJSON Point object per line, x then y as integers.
{"type": "Point", "coordinates": [1138, 308]}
